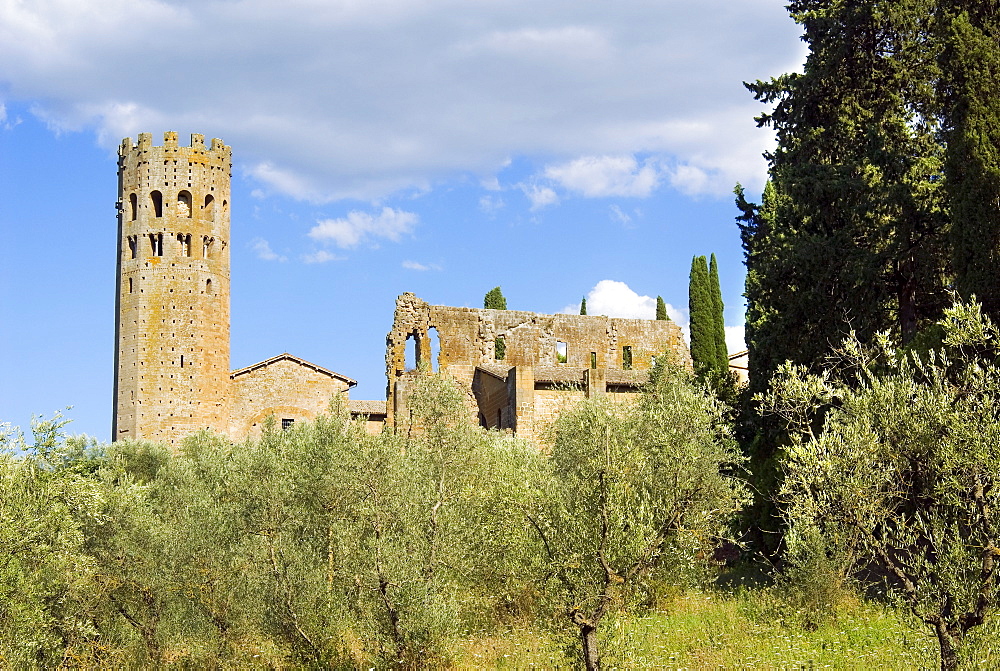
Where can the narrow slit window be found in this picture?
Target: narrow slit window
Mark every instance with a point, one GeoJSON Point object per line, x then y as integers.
{"type": "Point", "coordinates": [133, 202]}
{"type": "Point", "coordinates": [593, 359]}
{"type": "Point", "coordinates": [182, 360]}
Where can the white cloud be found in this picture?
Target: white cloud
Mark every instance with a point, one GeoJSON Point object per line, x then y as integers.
{"type": "Point", "coordinates": [321, 256]}
{"type": "Point", "coordinates": [413, 265]}
{"type": "Point", "coordinates": [491, 204]}
{"type": "Point", "coordinates": [616, 299]}
{"type": "Point", "coordinates": [540, 196]}
{"type": "Point", "coordinates": [602, 176]}
{"type": "Point", "coordinates": [264, 252]}
{"type": "Point", "coordinates": [479, 83]}
{"type": "Point", "coordinates": [358, 226]}
{"type": "Point", "coordinates": [618, 216]}
{"type": "Point", "coordinates": [735, 338]}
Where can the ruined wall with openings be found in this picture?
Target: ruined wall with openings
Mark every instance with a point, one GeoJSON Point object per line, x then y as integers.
{"type": "Point", "coordinates": [172, 330]}
{"type": "Point", "coordinates": [550, 360]}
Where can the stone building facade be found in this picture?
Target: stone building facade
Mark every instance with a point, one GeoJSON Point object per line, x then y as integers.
{"type": "Point", "coordinates": [172, 373]}
{"type": "Point", "coordinates": [519, 369]}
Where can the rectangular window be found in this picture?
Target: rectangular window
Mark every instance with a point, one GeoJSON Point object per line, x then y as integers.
{"type": "Point", "coordinates": [593, 359]}
{"type": "Point", "coordinates": [627, 357]}
{"type": "Point", "coordinates": [561, 351]}
{"type": "Point", "coordinates": [286, 423]}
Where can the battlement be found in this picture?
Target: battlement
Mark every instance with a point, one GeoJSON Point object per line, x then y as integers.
{"type": "Point", "coordinates": [197, 143]}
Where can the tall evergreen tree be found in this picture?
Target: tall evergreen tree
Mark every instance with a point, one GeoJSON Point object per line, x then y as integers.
{"type": "Point", "coordinates": [661, 309]}
{"type": "Point", "coordinates": [851, 234]}
{"type": "Point", "coordinates": [722, 351]}
{"type": "Point", "coordinates": [970, 87]}
{"type": "Point", "coordinates": [701, 308]}
{"type": "Point", "coordinates": [494, 300]}
{"type": "Point", "coordinates": [583, 306]}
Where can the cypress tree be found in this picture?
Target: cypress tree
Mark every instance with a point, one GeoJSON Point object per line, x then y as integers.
{"type": "Point", "coordinates": [970, 61]}
{"type": "Point", "coordinates": [583, 306]}
{"type": "Point", "coordinates": [661, 309]}
{"type": "Point", "coordinates": [494, 300]}
{"type": "Point", "coordinates": [722, 352]}
{"type": "Point", "coordinates": [701, 309]}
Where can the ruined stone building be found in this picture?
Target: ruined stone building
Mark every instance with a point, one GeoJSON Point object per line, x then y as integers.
{"type": "Point", "coordinates": [172, 375]}
{"type": "Point", "coordinates": [519, 369]}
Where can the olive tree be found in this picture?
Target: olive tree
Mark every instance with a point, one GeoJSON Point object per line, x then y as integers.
{"type": "Point", "coordinates": [895, 458]}
{"type": "Point", "coordinates": [630, 483]}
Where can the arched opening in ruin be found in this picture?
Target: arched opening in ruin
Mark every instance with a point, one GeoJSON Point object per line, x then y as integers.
{"type": "Point", "coordinates": [133, 203]}
{"type": "Point", "coordinates": [435, 348]}
{"type": "Point", "coordinates": [184, 244]}
{"type": "Point", "coordinates": [210, 206]}
{"type": "Point", "coordinates": [411, 355]}
{"type": "Point", "coordinates": [208, 287]}
{"type": "Point", "coordinates": [156, 244]}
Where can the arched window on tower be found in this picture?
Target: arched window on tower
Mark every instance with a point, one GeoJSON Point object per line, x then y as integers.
{"type": "Point", "coordinates": [210, 207]}
{"type": "Point", "coordinates": [133, 244]}
{"type": "Point", "coordinates": [133, 201]}
{"type": "Point", "coordinates": [184, 244]}
{"type": "Point", "coordinates": [208, 287]}
{"type": "Point", "coordinates": [156, 198]}
{"type": "Point", "coordinates": [184, 204]}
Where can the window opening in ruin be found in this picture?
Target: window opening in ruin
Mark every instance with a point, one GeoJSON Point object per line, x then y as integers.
{"type": "Point", "coordinates": [208, 287]}
{"type": "Point", "coordinates": [182, 360]}
{"type": "Point", "coordinates": [206, 247]}
{"type": "Point", "coordinates": [184, 242]}
{"type": "Point", "coordinates": [133, 202]}
{"type": "Point", "coordinates": [130, 285]}
{"type": "Point", "coordinates": [499, 418]}
{"type": "Point", "coordinates": [156, 243]}
{"type": "Point", "coordinates": [209, 205]}
{"type": "Point", "coordinates": [482, 421]}
{"type": "Point", "coordinates": [411, 356]}
{"type": "Point", "coordinates": [286, 423]}
{"type": "Point", "coordinates": [132, 245]}
{"type": "Point", "coordinates": [184, 204]}
{"type": "Point", "coordinates": [593, 359]}
{"type": "Point", "coordinates": [627, 357]}
{"type": "Point", "coordinates": [500, 348]}
{"type": "Point", "coordinates": [157, 199]}
{"type": "Point", "coordinates": [561, 351]}
{"type": "Point", "coordinates": [435, 343]}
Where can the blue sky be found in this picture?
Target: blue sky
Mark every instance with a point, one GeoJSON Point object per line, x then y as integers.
{"type": "Point", "coordinates": [443, 147]}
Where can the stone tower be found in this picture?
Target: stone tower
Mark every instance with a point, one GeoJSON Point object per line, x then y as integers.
{"type": "Point", "coordinates": [172, 330]}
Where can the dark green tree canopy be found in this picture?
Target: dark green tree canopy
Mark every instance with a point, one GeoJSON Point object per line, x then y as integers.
{"type": "Point", "coordinates": [661, 309]}
{"type": "Point", "coordinates": [583, 306]}
{"type": "Point", "coordinates": [495, 300]}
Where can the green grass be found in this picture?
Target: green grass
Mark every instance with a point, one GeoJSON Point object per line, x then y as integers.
{"type": "Point", "coordinates": [712, 630]}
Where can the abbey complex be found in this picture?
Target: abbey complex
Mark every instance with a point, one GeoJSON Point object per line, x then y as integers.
{"type": "Point", "coordinates": [172, 374]}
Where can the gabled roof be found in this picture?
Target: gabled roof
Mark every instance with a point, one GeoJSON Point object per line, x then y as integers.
{"type": "Point", "coordinates": [295, 359]}
{"type": "Point", "coordinates": [360, 407]}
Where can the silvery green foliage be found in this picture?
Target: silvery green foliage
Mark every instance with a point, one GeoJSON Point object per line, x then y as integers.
{"type": "Point", "coordinates": [897, 461]}
{"type": "Point", "coordinates": [631, 483]}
